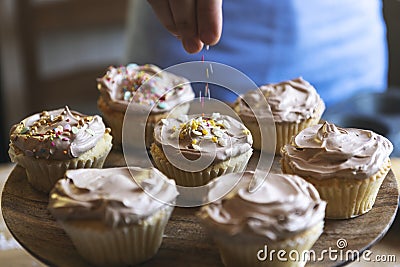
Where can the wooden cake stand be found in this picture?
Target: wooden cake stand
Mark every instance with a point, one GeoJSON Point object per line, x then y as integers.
{"type": "Point", "coordinates": [185, 242]}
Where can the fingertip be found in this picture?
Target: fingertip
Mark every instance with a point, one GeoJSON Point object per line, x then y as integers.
{"type": "Point", "coordinates": [192, 45]}
{"type": "Point", "coordinates": [210, 38]}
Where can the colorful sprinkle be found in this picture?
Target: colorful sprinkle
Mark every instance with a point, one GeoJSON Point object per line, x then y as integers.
{"type": "Point", "coordinates": [161, 105]}
{"type": "Point", "coordinates": [74, 130]}
{"type": "Point", "coordinates": [127, 95]}
{"type": "Point", "coordinates": [59, 129]}
{"type": "Point", "coordinates": [196, 147]}
{"type": "Point", "coordinates": [24, 130]}
{"type": "Point", "coordinates": [67, 127]}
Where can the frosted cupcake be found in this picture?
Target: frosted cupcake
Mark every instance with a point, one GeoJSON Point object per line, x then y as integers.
{"type": "Point", "coordinates": [47, 144]}
{"type": "Point", "coordinates": [150, 91]}
{"type": "Point", "coordinates": [109, 217]}
{"type": "Point", "coordinates": [284, 213]}
{"type": "Point", "coordinates": [295, 105]}
{"type": "Point", "coordinates": [346, 165]}
{"type": "Point", "coordinates": [194, 149]}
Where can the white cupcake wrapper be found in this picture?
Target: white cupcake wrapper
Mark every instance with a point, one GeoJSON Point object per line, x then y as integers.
{"type": "Point", "coordinates": [284, 131]}
{"type": "Point", "coordinates": [115, 120]}
{"type": "Point", "coordinates": [347, 198]}
{"type": "Point", "coordinates": [123, 246]}
{"type": "Point", "coordinates": [352, 200]}
{"type": "Point", "coordinates": [241, 253]}
{"type": "Point", "coordinates": [192, 179]}
{"type": "Point", "coordinates": [43, 174]}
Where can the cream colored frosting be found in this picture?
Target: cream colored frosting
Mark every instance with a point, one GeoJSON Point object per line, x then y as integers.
{"type": "Point", "coordinates": [326, 151]}
{"type": "Point", "coordinates": [281, 207]}
{"type": "Point", "coordinates": [216, 135]}
{"type": "Point", "coordinates": [58, 134]}
{"type": "Point", "coordinates": [290, 101]}
{"type": "Point", "coordinates": [115, 196]}
{"type": "Point", "coordinates": [146, 87]}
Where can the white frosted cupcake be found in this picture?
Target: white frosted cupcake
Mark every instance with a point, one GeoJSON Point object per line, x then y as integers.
{"type": "Point", "coordinates": [109, 217]}
{"type": "Point", "coordinates": [195, 149]}
{"type": "Point", "coordinates": [346, 165]}
{"type": "Point", "coordinates": [47, 144]}
{"type": "Point", "coordinates": [149, 91]}
{"type": "Point", "coordinates": [295, 105]}
{"type": "Point", "coordinates": [284, 213]}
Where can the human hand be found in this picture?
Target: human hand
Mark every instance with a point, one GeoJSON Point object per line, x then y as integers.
{"type": "Point", "coordinates": [195, 22]}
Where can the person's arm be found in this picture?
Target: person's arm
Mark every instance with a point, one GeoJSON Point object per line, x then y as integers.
{"type": "Point", "coordinates": [195, 22]}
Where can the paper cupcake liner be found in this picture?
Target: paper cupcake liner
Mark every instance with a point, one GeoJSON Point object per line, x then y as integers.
{"type": "Point", "coordinates": [123, 246]}
{"type": "Point", "coordinates": [115, 120]}
{"type": "Point", "coordinates": [240, 252]}
{"type": "Point", "coordinates": [43, 174]}
{"type": "Point", "coordinates": [283, 131]}
{"type": "Point", "coordinates": [192, 179]}
{"type": "Point", "coordinates": [347, 198]}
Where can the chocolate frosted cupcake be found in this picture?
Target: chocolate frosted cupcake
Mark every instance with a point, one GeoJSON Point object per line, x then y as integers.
{"type": "Point", "coordinates": [295, 105]}
{"type": "Point", "coordinates": [114, 217]}
{"type": "Point", "coordinates": [151, 92]}
{"type": "Point", "coordinates": [195, 149]}
{"type": "Point", "coordinates": [346, 165]}
{"type": "Point", "coordinates": [47, 144]}
{"type": "Point", "coordinates": [283, 213]}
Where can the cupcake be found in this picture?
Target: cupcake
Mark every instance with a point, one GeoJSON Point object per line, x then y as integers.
{"type": "Point", "coordinates": [283, 213]}
{"type": "Point", "coordinates": [295, 105]}
{"type": "Point", "coordinates": [152, 94]}
{"type": "Point", "coordinates": [47, 144]}
{"type": "Point", "coordinates": [346, 165]}
{"type": "Point", "coordinates": [194, 149]}
{"type": "Point", "coordinates": [112, 219]}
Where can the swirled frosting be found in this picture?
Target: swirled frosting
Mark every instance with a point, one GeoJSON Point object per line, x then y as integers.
{"type": "Point", "coordinates": [115, 196]}
{"type": "Point", "coordinates": [282, 206]}
{"type": "Point", "coordinates": [290, 101]}
{"type": "Point", "coordinates": [58, 134]}
{"type": "Point", "coordinates": [143, 87]}
{"type": "Point", "coordinates": [326, 151]}
{"type": "Point", "coordinates": [216, 135]}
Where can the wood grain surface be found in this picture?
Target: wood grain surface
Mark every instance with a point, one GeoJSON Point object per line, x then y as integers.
{"type": "Point", "coordinates": [185, 242]}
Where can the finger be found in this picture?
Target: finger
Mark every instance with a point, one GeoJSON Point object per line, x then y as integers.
{"type": "Point", "coordinates": [209, 20]}
{"type": "Point", "coordinates": [184, 14]}
{"type": "Point", "coordinates": [164, 14]}
{"type": "Point", "coordinates": [192, 45]}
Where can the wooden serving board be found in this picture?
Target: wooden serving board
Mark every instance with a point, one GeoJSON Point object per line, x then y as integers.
{"type": "Point", "coordinates": [185, 242]}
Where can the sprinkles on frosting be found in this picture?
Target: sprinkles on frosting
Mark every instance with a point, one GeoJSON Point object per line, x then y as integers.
{"type": "Point", "coordinates": [140, 84]}
{"type": "Point", "coordinates": [53, 130]}
{"type": "Point", "coordinates": [202, 129]}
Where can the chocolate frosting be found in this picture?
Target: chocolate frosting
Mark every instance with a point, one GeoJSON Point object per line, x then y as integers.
{"type": "Point", "coordinates": [216, 136]}
{"type": "Point", "coordinates": [59, 134]}
{"type": "Point", "coordinates": [115, 196]}
{"type": "Point", "coordinates": [326, 151]}
{"type": "Point", "coordinates": [281, 207]}
{"type": "Point", "coordinates": [290, 101]}
{"type": "Point", "coordinates": [146, 87]}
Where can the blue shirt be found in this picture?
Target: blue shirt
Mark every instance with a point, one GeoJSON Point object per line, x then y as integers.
{"type": "Point", "coordinates": [339, 46]}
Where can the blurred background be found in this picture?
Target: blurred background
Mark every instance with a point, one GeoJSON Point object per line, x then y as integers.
{"type": "Point", "coordinates": [52, 51]}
